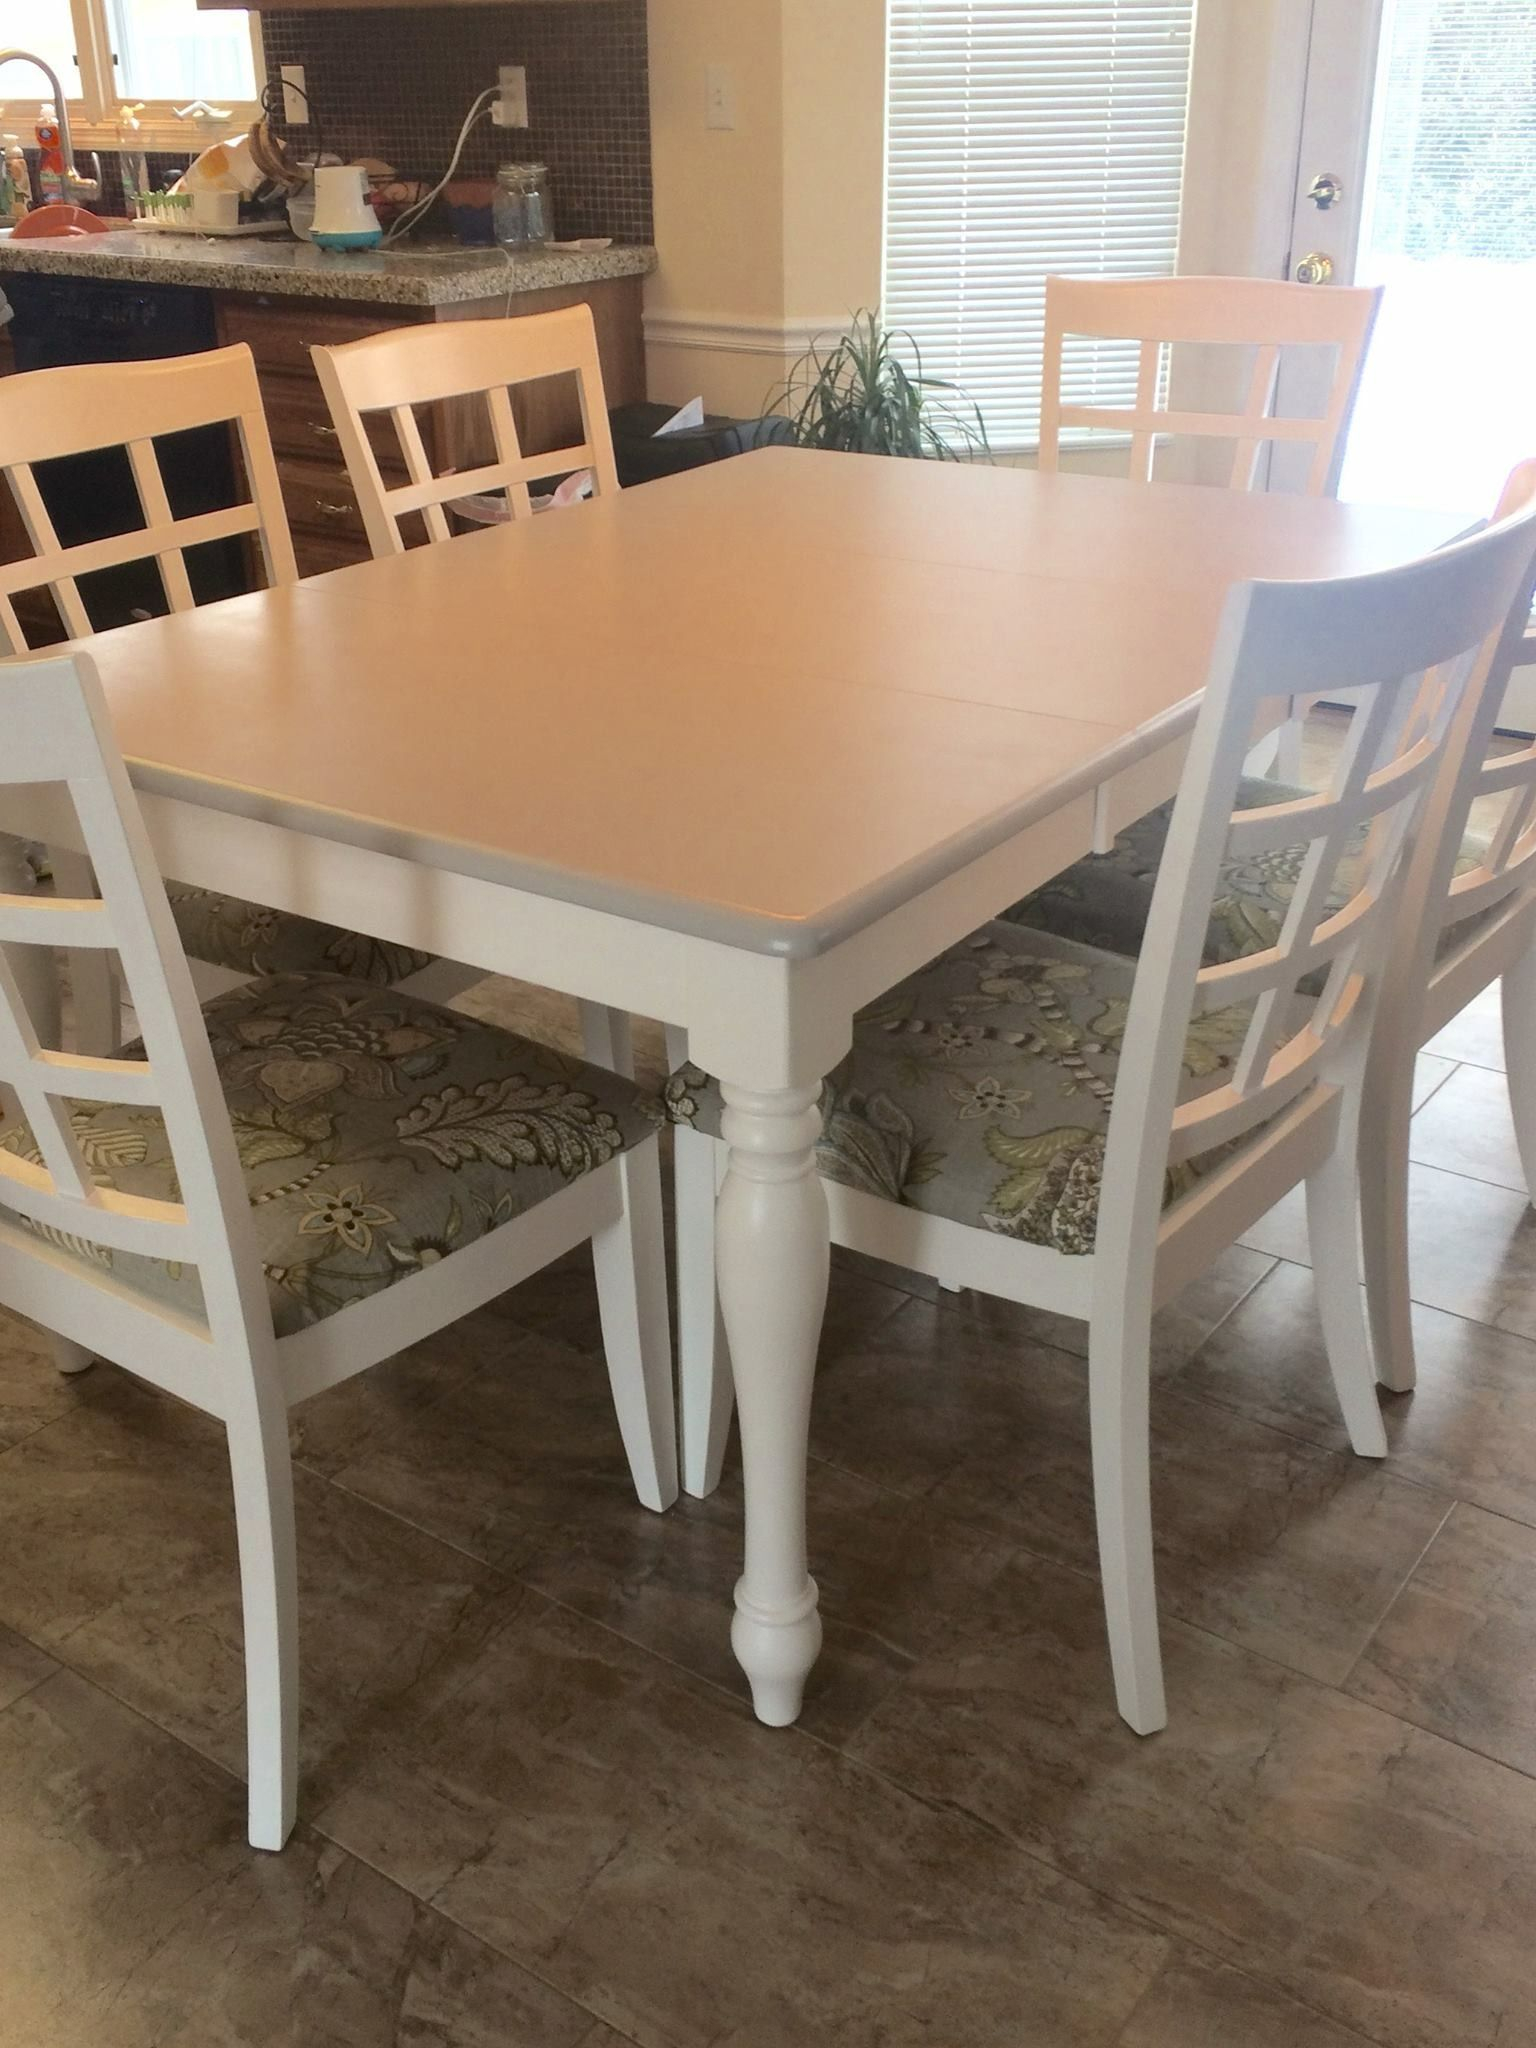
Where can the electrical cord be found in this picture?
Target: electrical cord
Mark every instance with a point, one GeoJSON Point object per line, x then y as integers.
{"type": "Point", "coordinates": [272, 106]}
{"type": "Point", "coordinates": [412, 214]}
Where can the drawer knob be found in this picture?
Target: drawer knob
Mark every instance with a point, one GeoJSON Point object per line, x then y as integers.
{"type": "Point", "coordinates": [335, 511]}
{"type": "Point", "coordinates": [322, 432]}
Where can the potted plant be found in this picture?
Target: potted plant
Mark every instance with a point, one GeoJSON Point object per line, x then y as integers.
{"type": "Point", "coordinates": [866, 392]}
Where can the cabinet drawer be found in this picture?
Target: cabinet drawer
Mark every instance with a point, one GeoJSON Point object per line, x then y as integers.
{"type": "Point", "coordinates": [322, 506]}
{"type": "Point", "coordinates": [300, 424]}
{"type": "Point", "coordinates": [282, 331]}
{"type": "Point", "coordinates": [318, 498]}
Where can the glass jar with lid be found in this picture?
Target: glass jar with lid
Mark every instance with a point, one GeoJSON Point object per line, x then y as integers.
{"type": "Point", "coordinates": [520, 206]}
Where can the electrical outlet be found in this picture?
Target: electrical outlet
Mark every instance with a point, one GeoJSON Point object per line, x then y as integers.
{"type": "Point", "coordinates": [511, 110]}
{"type": "Point", "coordinates": [295, 105]}
{"type": "Point", "coordinates": [719, 97]}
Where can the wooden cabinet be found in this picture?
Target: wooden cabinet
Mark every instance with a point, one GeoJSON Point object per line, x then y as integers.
{"type": "Point", "coordinates": [281, 330]}
{"type": "Point", "coordinates": [322, 508]}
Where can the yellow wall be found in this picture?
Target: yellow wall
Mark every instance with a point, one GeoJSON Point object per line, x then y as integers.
{"type": "Point", "coordinates": [833, 60]}
{"type": "Point", "coordinates": [719, 218]}
{"type": "Point", "coordinates": [776, 224]}
{"type": "Point", "coordinates": [775, 228]}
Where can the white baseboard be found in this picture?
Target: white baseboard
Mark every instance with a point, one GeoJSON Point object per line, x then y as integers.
{"type": "Point", "coordinates": [723, 335]}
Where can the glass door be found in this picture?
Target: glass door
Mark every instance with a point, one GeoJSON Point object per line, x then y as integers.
{"type": "Point", "coordinates": [1448, 226]}
{"type": "Point", "coordinates": [1417, 171]}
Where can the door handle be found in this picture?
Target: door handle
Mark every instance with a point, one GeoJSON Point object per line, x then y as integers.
{"type": "Point", "coordinates": [1314, 268]}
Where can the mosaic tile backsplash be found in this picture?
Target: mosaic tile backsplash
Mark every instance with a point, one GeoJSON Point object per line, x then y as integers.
{"type": "Point", "coordinates": [397, 82]}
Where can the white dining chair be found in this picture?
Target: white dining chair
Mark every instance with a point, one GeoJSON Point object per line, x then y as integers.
{"type": "Point", "coordinates": [1085, 1134]}
{"type": "Point", "coordinates": [273, 1193]}
{"type": "Point", "coordinates": [375, 386]}
{"type": "Point", "coordinates": [1167, 316]}
{"type": "Point", "coordinates": [1264, 316]}
{"type": "Point", "coordinates": [89, 408]}
{"type": "Point", "coordinates": [1468, 920]}
{"type": "Point", "coordinates": [464, 363]}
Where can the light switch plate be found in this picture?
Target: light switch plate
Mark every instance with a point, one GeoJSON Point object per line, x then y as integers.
{"type": "Point", "coordinates": [295, 106]}
{"type": "Point", "coordinates": [511, 109]}
{"type": "Point", "coordinates": [719, 96]}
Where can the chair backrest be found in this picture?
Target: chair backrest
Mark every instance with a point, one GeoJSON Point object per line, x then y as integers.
{"type": "Point", "coordinates": [461, 359]}
{"type": "Point", "coordinates": [1501, 785]}
{"type": "Point", "coordinates": [85, 407]}
{"type": "Point", "coordinates": [1262, 314]}
{"type": "Point", "coordinates": [1419, 643]}
{"type": "Point", "coordinates": [58, 734]}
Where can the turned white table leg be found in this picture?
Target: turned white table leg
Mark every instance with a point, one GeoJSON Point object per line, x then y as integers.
{"type": "Point", "coordinates": [772, 1256]}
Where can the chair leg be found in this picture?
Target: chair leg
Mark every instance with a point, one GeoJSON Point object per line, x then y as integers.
{"type": "Point", "coordinates": [1382, 1181]}
{"type": "Point", "coordinates": [1119, 1371]}
{"type": "Point", "coordinates": [630, 1260]}
{"type": "Point", "coordinates": [1518, 1000]}
{"type": "Point", "coordinates": [263, 1484]}
{"type": "Point", "coordinates": [1332, 1222]}
{"type": "Point", "coordinates": [704, 1365]}
{"type": "Point", "coordinates": [607, 1039]}
{"type": "Point", "coordinates": [35, 967]}
{"type": "Point", "coordinates": [1288, 748]}
{"type": "Point", "coordinates": [98, 1004]}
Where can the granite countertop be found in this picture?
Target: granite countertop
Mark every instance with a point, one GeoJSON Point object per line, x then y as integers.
{"type": "Point", "coordinates": [415, 274]}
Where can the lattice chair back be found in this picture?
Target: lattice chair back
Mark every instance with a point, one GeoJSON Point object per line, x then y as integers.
{"type": "Point", "coordinates": [51, 1209]}
{"type": "Point", "coordinates": [1503, 787]}
{"type": "Point", "coordinates": [395, 372]}
{"type": "Point", "coordinates": [87, 407]}
{"type": "Point", "coordinates": [1262, 314]}
{"type": "Point", "coordinates": [1420, 643]}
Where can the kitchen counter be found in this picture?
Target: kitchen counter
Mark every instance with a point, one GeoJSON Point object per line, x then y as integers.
{"type": "Point", "coordinates": [424, 274]}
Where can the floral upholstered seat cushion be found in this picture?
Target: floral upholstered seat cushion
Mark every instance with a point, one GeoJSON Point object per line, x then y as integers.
{"type": "Point", "coordinates": [1104, 899]}
{"type": "Point", "coordinates": [980, 1088]}
{"type": "Point", "coordinates": [378, 1133]}
{"type": "Point", "coordinates": [251, 939]}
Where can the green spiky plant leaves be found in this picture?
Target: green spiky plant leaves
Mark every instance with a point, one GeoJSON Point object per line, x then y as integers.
{"type": "Point", "coordinates": [866, 393]}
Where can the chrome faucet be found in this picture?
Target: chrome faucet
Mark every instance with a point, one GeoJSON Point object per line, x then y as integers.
{"type": "Point", "coordinates": [75, 187]}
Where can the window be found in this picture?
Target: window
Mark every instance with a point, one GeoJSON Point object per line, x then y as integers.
{"type": "Point", "coordinates": [165, 53]}
{"type": "Point", "coordinates": [1025, 137]}
{"type": "Point", "coordinates": [168, 49]}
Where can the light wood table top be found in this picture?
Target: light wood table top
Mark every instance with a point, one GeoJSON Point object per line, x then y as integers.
{"type": "Point", "coordinates": [762, 702]}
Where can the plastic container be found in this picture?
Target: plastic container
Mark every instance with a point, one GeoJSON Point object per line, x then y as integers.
{"type": "Point", "coordinates": [469, 209]}
{"type": "Point", "coordinates": [520, 212]}
{"type": "Point", "coordinates": [50, 158]}
{"type": "Point", "coordinates": [19, 177]}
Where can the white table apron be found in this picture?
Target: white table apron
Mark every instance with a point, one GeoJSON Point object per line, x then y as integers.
{"type": "Point", "coordinates": [770, 1027]}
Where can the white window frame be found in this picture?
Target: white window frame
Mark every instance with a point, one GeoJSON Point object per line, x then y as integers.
{"type": "Point", "coordinates": [93, 115]}
{"type": "Point", "coordinates": [1084, 448]}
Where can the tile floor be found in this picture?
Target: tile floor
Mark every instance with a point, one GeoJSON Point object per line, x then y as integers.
{"type": "Point", "coordinates": [536, 1813]}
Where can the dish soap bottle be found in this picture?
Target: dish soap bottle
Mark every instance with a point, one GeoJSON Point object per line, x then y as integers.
{"type": "Point", "coordinates": [50, 158]}
{"type": "Point", "coordinates": [17, 177]}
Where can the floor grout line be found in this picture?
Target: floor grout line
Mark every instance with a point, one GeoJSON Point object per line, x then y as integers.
{"type": "Point", "coordinates": [1401, 1588]}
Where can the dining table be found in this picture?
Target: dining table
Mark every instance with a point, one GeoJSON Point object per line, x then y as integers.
{"type": "Point", "coordinates": [737, 751]}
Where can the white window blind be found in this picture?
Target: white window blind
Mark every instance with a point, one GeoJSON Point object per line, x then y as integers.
{"type": "Point", "coordinates": [1026, 137]}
